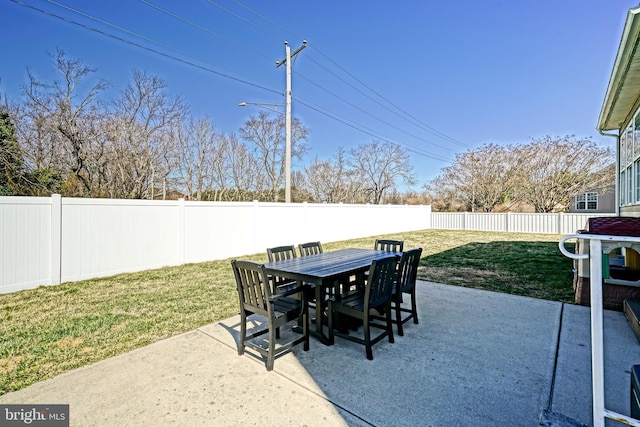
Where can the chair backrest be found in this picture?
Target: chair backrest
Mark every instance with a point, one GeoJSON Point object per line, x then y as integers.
{"type": "Point", "coordinates": [253, 290]}
{"type": "Point", "coordinates": [281, 252]}
{"type": "Point", "coordinates": [408, 269]}
{"type": "Point", "coordinates": [310, 248]}
{"type": "Point", "coordinates": [388, 245]}
{"type": "Point", "coordinates": [380, 283]}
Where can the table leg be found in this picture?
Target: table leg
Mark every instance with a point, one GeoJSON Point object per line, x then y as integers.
{"type": "Point", "coordinates": [320, 306]}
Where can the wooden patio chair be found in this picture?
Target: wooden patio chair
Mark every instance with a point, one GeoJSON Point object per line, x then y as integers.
{"type": "Point", "coordinates": [256, 298]}
{"type": "Point", "coordinates": [280, 253]}
{"type": "Point", "coordinates": [310, 248]}
{"type": "Point", "coordinates": [366, 303]}
{"type": "Point", "coordinates": [388, 245]}
{"type": "Point", "coordinates": [406, 285]}
{"type": "Point", "coordinates": [306, 249]}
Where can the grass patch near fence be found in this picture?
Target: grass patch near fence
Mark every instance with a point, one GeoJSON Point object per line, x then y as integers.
{"type": "Point", "coordinates": [53, 329]}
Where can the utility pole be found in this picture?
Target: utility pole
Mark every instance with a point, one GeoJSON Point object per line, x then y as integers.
{"type": "Point", "coordinates": [287, 147]}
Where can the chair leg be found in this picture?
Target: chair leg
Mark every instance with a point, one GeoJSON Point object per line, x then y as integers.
{"type": "Point", "coordinates": [271, 350]}
{"type": "Point", "coordinates": [305, 328]}
{"type": "Point", "coordinates": [367, 339]}
{"type": "Point", "coordinates": [330, 315]}
{"type": "Point", "coordinates": [399, 318]}
{"type": "Point", "coordinates": [243, 334]}
{"type": "Point", "coordinates": [390, 325]}
{"type": "Point", "coordinates": [414, 308]}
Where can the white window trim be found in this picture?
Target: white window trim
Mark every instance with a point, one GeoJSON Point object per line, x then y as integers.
{"type": "Point", "coordinates": [583, 200]}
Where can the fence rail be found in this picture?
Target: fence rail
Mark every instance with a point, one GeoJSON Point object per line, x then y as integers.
{"type": "Point", "coordinates": [49, 240]}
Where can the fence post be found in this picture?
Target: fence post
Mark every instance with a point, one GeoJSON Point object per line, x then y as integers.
{"type": "Point", "coordinates": [56, 239]}
{"type": "Point", "coordinates": [181, 232]}
{"type": "Point", "coordinates": [559, 228]}
{"type": "Point", "coordinates": [464, 220]}
{"type": "Point", "coordinates": [256, 206]}
{"type": "Point", "coordinates": [507, 225]}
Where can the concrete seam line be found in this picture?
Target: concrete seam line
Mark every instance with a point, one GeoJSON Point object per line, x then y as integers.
{"type": "Point", "coordinates": [555, 361]}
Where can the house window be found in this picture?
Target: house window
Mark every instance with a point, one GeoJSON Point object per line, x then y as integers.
{"type": "Point", "coordinates": [630, 184]}
{"type": "Point", "coordinates": [587, 200]}
{"type": "Point", "coordinates": [623, 184]}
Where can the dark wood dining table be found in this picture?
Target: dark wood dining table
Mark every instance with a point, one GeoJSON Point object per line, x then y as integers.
{"type": "Point", "coordinates": [325, 270]}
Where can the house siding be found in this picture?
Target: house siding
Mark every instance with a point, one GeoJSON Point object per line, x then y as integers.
{"type": "Point", "coordinates": [633, 210]}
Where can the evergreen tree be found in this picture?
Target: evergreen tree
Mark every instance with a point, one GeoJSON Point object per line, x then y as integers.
{"type": "Point", "coordinates": [10, 157]}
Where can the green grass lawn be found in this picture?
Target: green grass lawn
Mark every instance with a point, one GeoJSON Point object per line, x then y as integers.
{"type": "Point", "coordinates": [53, 329]}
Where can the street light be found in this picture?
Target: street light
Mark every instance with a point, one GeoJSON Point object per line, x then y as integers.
{"type": "Point", "coordinates": [265, 106]}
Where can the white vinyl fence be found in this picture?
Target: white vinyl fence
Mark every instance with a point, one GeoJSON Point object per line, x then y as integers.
{"type": "Point", "coordinates": [552, 223]}
{"type": "Point", "coordinates": [49, 240]}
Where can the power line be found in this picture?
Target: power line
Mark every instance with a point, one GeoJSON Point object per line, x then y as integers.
{"type": "Point", "coordinates": [360, 91]}
{"type": "Point", "coordinates": [65, 19]}
{"type": "Point", "coordinates": [327, 113]}
{"type": "Point", "coordinates": [373, 116]}
{"type": "Point", "coordinates": [200, 27]}
{"type": "Point", "coordinates": [299, 74]}
{"type": "Point", "coordinates": [262, 29]}
{"type": "Point", "coordinates": [431, 129]}
{"type": "Point", "coordinates": [424, 125]}
{"type": "Point", "coordinates": [138, 35]}
{"type": "Point", "coordinates": [244, 20]}
{"type": "Point", "coordinates": [368, 131]}
{"type": "Point", "coordinates": [324, 88]}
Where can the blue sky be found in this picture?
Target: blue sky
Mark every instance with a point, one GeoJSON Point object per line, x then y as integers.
{"type": "Point", "coordinates": [437, 77]}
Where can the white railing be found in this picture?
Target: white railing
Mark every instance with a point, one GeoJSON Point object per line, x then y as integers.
{"type": "Point", "coordinates": [49, 240]}
{"type": "Point", "coordinates": [597, 335]}
{"type": "Point", "coordinates": [551, 223]}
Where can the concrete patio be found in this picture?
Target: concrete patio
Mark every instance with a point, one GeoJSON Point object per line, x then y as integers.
{"type": "Point", "coordinates": [477, 358]}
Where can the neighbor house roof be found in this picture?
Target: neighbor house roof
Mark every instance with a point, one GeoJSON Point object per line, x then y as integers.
{"type": "Point", "coordinates": [623, 93]}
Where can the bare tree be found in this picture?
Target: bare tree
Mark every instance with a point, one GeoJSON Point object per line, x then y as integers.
{"type": "Point", "coordinates": [333, 181]}
{"type": "Point", "coordinates": [479, 179]}
{"type": "Point", "coordinates": [145, 117]}
{"type": "Point", "coordinates": [442, 199]}
{"type": "Point", "coordinates": [245, 170]}
{"type": "Point", "coordinates": [321, 177]}
{"type": "Point", "coordinates": [66, 122]}
{"type": "Point", "coordinates": [545, 174]}
{"type": "Point", "coordinates": [268, 136]}
{"type": "Point", "coordinates": [199, 152]}
{"type": "Point", "coordinates": [379, 165]}
{"type": "Point", "coordinates": [222, 167]}
{"type": "Point", "coordinates": [555, 169]}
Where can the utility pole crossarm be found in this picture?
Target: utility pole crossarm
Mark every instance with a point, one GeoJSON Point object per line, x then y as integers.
{"type": "Point", "coordinates": [284, 61]}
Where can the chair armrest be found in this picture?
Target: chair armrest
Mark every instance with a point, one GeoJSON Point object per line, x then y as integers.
{"type": "Point", "coordinates": [337, 298]}
{"type": "Point", "coordinates": [289, 291]}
